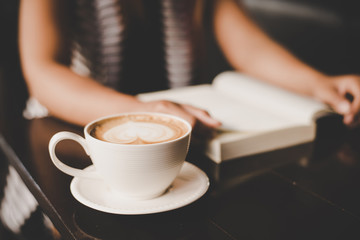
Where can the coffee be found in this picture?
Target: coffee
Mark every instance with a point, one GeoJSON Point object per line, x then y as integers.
{"type": "Point", "coordinates": [141, 171]}
{"type": "Point", "coordinates": [138, 129]}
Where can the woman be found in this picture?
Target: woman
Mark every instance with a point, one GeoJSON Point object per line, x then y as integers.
{"type": "Point", "coordinates": [79, 98]}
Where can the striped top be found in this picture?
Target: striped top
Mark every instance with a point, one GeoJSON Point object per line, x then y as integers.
{"type": "Point", "coordinates": [104, 31]}
{"type": "Point", "coordinates": [133, 46]}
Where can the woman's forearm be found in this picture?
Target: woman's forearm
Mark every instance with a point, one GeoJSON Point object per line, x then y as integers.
{"type": "Point", "coordinates": [44, 53]}
{"type": "Point", "coordinates": [75, 98]}
{"type": "Point", "coordinates": [249, 50]}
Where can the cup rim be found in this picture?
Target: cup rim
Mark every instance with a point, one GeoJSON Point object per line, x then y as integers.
{"type": "Point", "coordinates": [87, 126]}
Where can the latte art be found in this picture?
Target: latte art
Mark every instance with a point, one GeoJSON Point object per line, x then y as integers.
{"type": "Point", "coordinates": [139, 129]}
{"type": "Point", "coordinates": [140, 133]}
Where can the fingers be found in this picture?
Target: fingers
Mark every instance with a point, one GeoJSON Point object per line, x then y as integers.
{"type": "Point", "coordinates": [174, 109]}
{"type": "Point", "coordinates": [342, 93]}
{"type": "Point", "coordinates": [205, 125]}
{"type": "Point", "coordinates": [187, 112]}
{"type": "Point", "coordinates": [330, 95]}
{"type": "Point", "coordinates": [202, 123]}
{"type": "Point", "coordinates": [348, 119]}
{"type": "Point", "coordinates": [350, 85]}
{"type": "Point", "coordinates": [202, 115]}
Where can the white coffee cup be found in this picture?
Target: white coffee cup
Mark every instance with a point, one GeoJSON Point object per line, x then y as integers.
{"type": "Point", "coordinates": [134, 171]}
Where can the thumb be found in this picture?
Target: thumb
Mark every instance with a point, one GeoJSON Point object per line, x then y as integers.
{"type": "Point", "coordinates": [202, 115]}
{"type": "Point", "coordinates": [338, 102]}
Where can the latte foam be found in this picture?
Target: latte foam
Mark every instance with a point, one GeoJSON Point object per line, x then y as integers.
{"type": "Point", "coordinates": [139, 129]}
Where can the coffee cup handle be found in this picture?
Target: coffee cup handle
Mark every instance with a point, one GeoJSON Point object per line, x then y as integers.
{"type": "Point", "coordinates": [58, 137]}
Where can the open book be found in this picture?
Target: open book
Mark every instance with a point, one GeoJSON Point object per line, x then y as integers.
{"type": "Point", "coordinates": [256, 116]}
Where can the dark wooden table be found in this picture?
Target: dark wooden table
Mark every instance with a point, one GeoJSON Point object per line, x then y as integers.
{"type": "Point", "coordinates": [311, 191]}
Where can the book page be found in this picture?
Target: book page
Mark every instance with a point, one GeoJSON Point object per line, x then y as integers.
{"type": "Point", "coordinates": [235, 114]}
{"type": "Point", "coordinates": [261, 95]}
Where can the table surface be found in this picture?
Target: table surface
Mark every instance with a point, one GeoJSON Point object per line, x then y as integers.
{"type": "Point", "coordinates": [310, 191]}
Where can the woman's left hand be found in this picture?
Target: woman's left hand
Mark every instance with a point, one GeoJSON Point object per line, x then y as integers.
{"type": "Point", "coordinates": [342, 93]}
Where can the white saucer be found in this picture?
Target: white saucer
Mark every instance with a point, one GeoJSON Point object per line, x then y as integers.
{"type": "Point", "coordinates": [190, 185]}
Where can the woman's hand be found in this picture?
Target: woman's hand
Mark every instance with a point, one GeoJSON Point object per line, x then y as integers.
{"type": "Point", "coordinates": [202, 123]}
{"type": "Point", "coordinates": [342, 93]}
